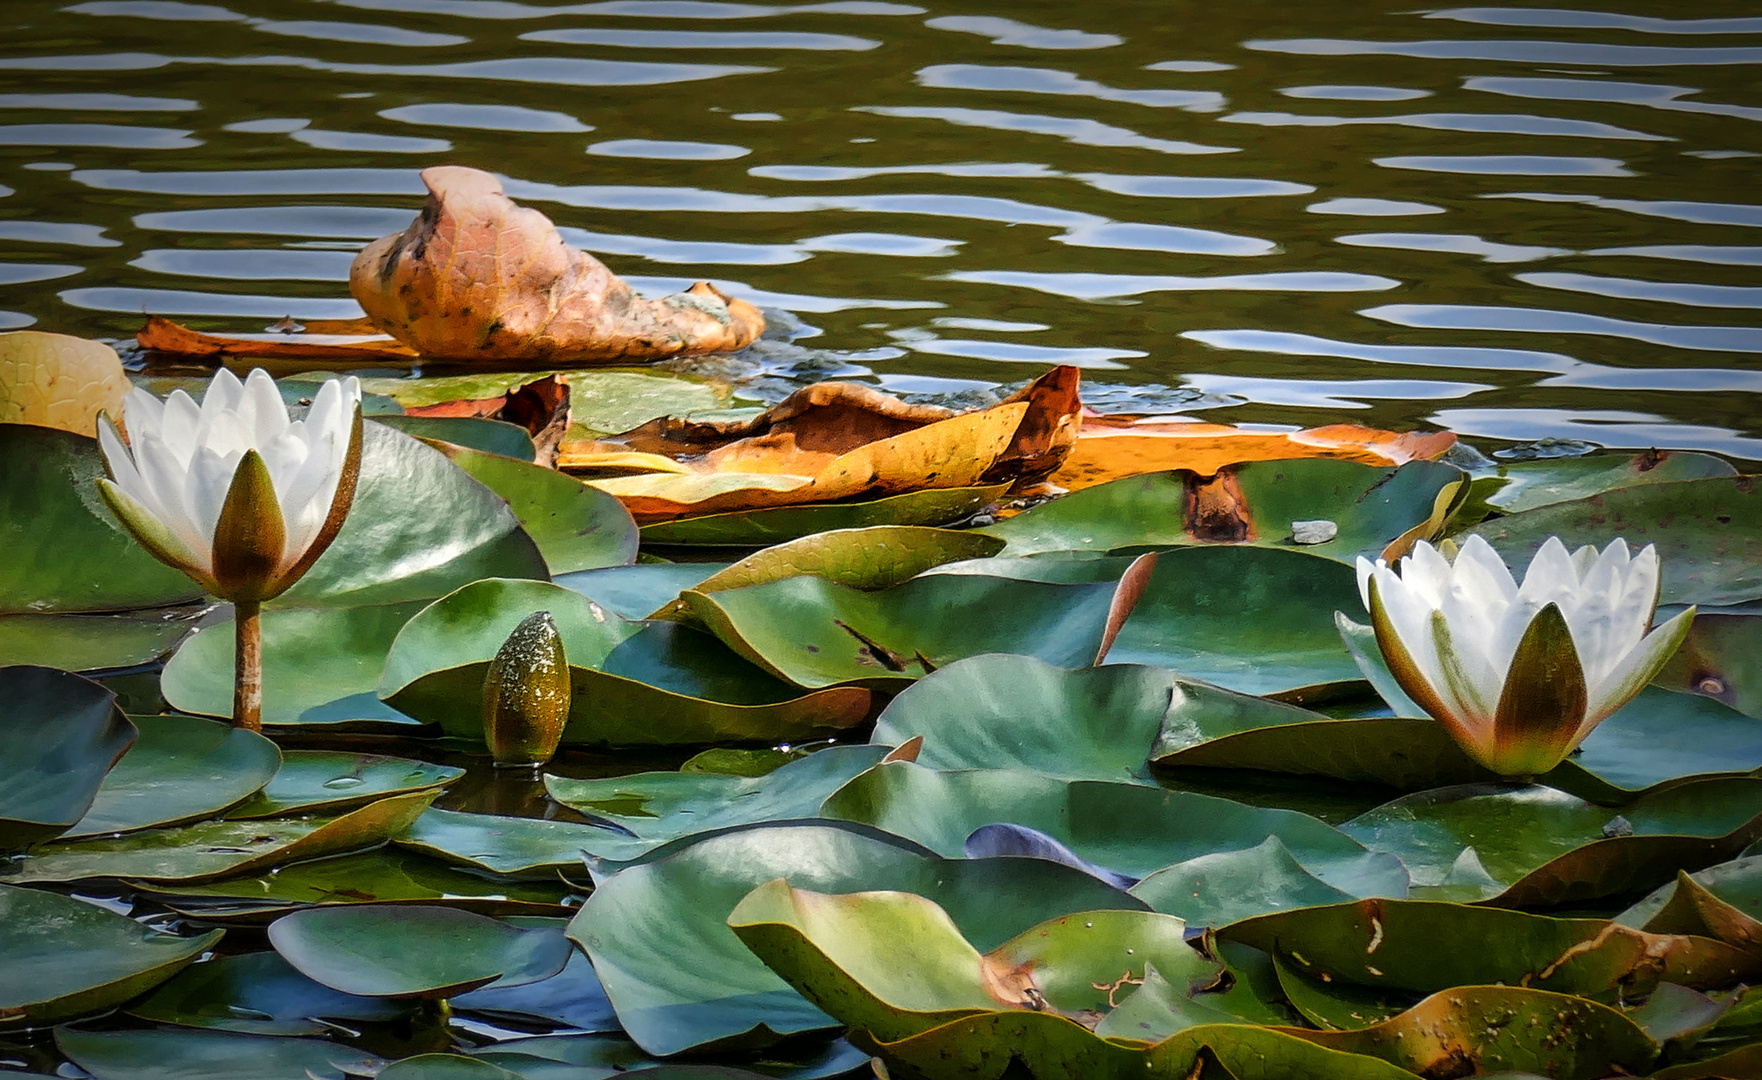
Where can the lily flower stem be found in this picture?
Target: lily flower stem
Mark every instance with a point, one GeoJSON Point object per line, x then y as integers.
{"type": "Point", "coordinates": [247, 701]}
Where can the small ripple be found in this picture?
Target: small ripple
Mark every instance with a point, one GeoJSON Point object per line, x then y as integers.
{"type": "Point", "coordinates": [1507, 165]}
{"type": "Point", "coordinates": [865, 243]}
{"type": "Point", "coordinates": [1484, 123]}
{"type": "Point", "coordinates": [248, 265]}
{"type": "Point", "coordinates": [1011, 170]}
{"type": "Point", "coordinates": [24, 273]}
{"type": "Point", "coordinates": [157, 9]}
{"type": "Point", "coordinates": [1372, 207]}
{"type": "Point", "coordinates": [1578, 54]}
{"type": "Point", "coordinates": [1023, 35]}
{"type": "Point", "coordinates": [256, 181]}
{"type": "Point", "coordinates": [1453, 356]}
{"type": "Point", "coordinates": [184, 302]}
{"type": "Point", "coordinates": [656, 249]}
{"type": "Point", "coordinates": [97, 102]}
{"type": "Point", "coordinates": [704, 39]}
{"type": "Point", "coordinates": [1355, 93]}
{"type": "Point", "coordinates": [1330, 393]}
{"type": "Point", "coordinates": [1487, 250]}
{"type": "Point", "coordinates": [1559, 18]}
{"type": "Point", "coordinates": [1691, 294]}
{"type": "Point", "coordinates": [359, 34]}
{"type": "Point", "coordinates": [1107, 286]}
{"type": "Point", "coordinates": [1091, 358]}
{"type": "Point", "coordinates": [1607, 428]}
{"type": "Point", "coordinates": [118, 136]}
{"type": "Point", "coordinates": [1545, 321]}
{"type": "Point", "coordinates": [353, 222]}
{"type": "Point", "coordinates": [1701, 213]}
{"type": "Point", "coordinates": [549, 70]}
{"type": "Point", "coordinates": [1192, 187]}
{"type": "Point", "coordinates": [995, 326]}
{"type": "Point", "coordinates": [1050, 81]}
{"type": "Point", "coordinates": [365, 141]}
{"type": "Point", "coordinates": [56, 232]}
{"type": "Point", "coordinates": [1189, 67]}
{"type": "Point", "coordinates": [16, 320]}
{"type": "Point", "coordinates": [649, 9]}
{"type": "Point", "coordinates": [666, 150]}
{"type": "Point", "coordinates": [1673, 380]}
{"type": "Point", "coordinates": [1070, 129]}
{"type": "Point", "coordinates": [1650, 95]}
{"type": "Point", "coordinates": [486, 117]}
{"type": "Point", "coordinates": [1716, 254]}
{"type": "Point", "coordinates": [1174, 239]}
{"type": "Point", "coordinates": [765, 298]}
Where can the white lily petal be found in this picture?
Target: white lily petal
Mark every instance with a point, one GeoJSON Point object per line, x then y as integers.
{"type": "Point", "coordinates": [1365, 568]}
{"type": "Point", "coordinates": [206, 486]}
{"type": "Point", "coordinates": [142, 411]}
{"type": "Point", "coordinates": [1584, 559]}
{"type": "Point", "coordinates": [1635, 670]}
{"type": "Point", "coordinates": [1410, 616]}
{"type": "Point", "coordinates": [1550, 573]}
{"type": "Point", "coordinates": [262, 409]}
{"type": "Point", "coordinates": [1478, 558]}
{"type": "Point", "coordinates": [162, 476]}
{"type": "Point", "coordinates": [1426, 573]}
{"type": "Point", "coordinates": [121, 462]}
{"type": "Point", "coordinates": [179, 418]}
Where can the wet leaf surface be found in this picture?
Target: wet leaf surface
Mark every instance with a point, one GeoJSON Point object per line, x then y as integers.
{"type": "Point", "coordinates": [181, 768]}
{"type": "Point", "coordinates": [389, 950]}
{"type": "Point", "coordinates": [58, 381]}
{"type": "Point", "coordinates": [59, 735]}
{"type": "Point", "coordinates": [749, 528]}
{"type": "Point", "coordinates": [333, 780]}
{"type": "Point", "coordinates": [575, 526]}
{"type": "Point", "coordinates": [181, 1053]}
{"type": "Point", "coordinates": [258, 993]}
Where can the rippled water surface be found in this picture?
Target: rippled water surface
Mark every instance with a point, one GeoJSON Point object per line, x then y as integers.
{"type": "Point", "coordinates": [1516, 222]}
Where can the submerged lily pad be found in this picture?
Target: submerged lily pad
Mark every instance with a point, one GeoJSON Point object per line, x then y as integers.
{"type": "Point", "coordinates": [575, 526]}
{"type": "Point", "coordinates": [61, 958]}
{"type": "Point", "coordinates": [638, 923]}
{"type": "Point", "coordinates": [180, 769]}
{"type": "Point", "coordinates": [59, 735]}
{"type": "Point", "coordinates": [258, 994]}
{"type": "Point", "coordinates": [390, 950]}
{"type": "Point", "coordinates": [756, 528]}
{"type": "Point", "coordinates": [182, 1053]}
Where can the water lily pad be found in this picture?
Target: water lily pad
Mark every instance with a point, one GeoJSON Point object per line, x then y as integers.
{"type": "Point", "coordinates": [1256, 503]}
{"type": "Point", "coordinates": [634, 683]}
{"type": "Point", "coordinates": [334, 780]}
{"type": "Point", "coordinates": [572, 998]}
{"type": "Point", "coordinates": [388, 950]}
{"type": "Point", "coordinates": [1708, 533]}
{"type": "Point", "coordinates": [1221, 887]}
{"type": "Point", "coordinates": [64, 550]}
{"type": "Point", "coordinates": [1721, 659]}
{"type": "Point", "coordinates": [93, 642]}
{"type": "Point", "coordinates": [259, 994]}
{"type": "Point", "coordinates": [183, 1053]}
{"type": "Point", "coordinates": [472, 433]}
{"type": "Point", "coordinates": [815, 633]}
{"type": "Point", "coordinates": [575, 526]}
{"type": "Point", "coordinates": [638, 923]}
{"type": "Point", "coordinates": [757, 528]}
{"type": "Point", "coordinates": [574, 1056]}
{"type": "Point", "coordinates": [61, 958]}
{"type": "Point", "coordinates": [59, 735]}
{"type": "Point", "coordinates": [1545, 481]}
{"type": "Point", "coordinates": [210, 850]}
{"type": "Point", "coordinates": [419, 528]}
{"type": "Point", "coordinates": [634, 591]}
{"type": "Point", "coordinates": [320, 666]}
{"type": "Point", "coordinates": [1005, 711]}
{"type": "Point", "coordinates": [1737, 884]}
{"type": "Point", "coordinates": [180, 769]}
{"type": "Point", "coordinates": [59, 381]}
{"type": "Point", "coordinates": [445, 1067]}
{"type": "Point", "coordinates": [610, 402]}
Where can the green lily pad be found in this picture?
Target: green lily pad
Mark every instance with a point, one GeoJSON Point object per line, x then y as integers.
{"type": "Point", "coordinates": [320, 666]}
{"type": "Point", "coordinates": [1371, 506]}
{"type": "Point", "coordinates": [595, 1056]}
{"type": "Point", "coordinates": [180, 769]}
{"type": "Point", "coordinates": [423, 391]}
{"type": "Point", "coordinates": [420, 527]}
{"type": "Point", "coordinates": [639, 922]}
{"type": "Point", "coordinates": [473, 433]}
{"type": "Point", "coordinates": [1338, 1006]}
{"type": "Point", "coordinates": [1721, 659]}
{"type": "Point", "coordinates": [575, 526]}
{"type": "Point", "coordinates": [210, 850]}
{"type": "Point", "coordinates": [1737, 883]}
{"type": "Point", "coordinates": [1130, 829]}
{"type": "Point", "coordinates": [1005, 711]}
{"type": "Point", "coordinates": [336, 780]}
{"type": "Point", "coordinates": [759, 528]}
{"type": "Point", "coordinates": [634, 683]}
{"type": "Point", "coordinates": [384, 876]}
{"type": "Point", "coordinates": [605, 402]}
{"type": "Point", "coordinates": [633, 591]}
{"type": "Point", "coordinates": [59, 735]}
{"type": "Point", "coordinates": [82, 642]}
{"type": "Point", "coordinates": [64, 550]}
{"type": "Point", "coordinates": [1541, 847]}
{"type": "Point", "coordinates": [185, 1053]}
{"type": "Point", "coordinates": [1220, 887]}
{"type": "Point", "coordinates": [1708, 533]}
{"type": "Point", "coordinates": [893, 964]}
{"type": "Point", "coordinates": [445, 1067]}
{"type": "Point", "coordinates": [513, 846]}
{"type": "Point", "coordinates": [1545, 481]}
{"type": "Point", "coordinates": [815, 633]}
{"type": "Point", "coordinates": [879, 557]}
{"type": "Point", "coordinates": [61, 958]}
{"type": "Point", "coordinates": [1258, 620]}
{"type": "Point", "coordinates": [259, 994]}
{"type": "Point", "coordinates": [389, 950]}
{"type": "Point", "coordinates": [1507, 1029]}
{"type": "Point", "coordinates": [572, 998]}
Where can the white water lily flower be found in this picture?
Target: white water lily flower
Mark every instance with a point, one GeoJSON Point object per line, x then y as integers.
{"type": "Point", "coordinates": [231, 491]}
{"type": "Point", "coordinates": [1520, 674]}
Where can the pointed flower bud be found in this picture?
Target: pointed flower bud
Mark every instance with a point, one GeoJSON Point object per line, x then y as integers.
{"type": "Point", "coordinates": [1520, 674]}
{"type": "Point", "coordinates": [231, 491]}
{"type": "Point", "coordinates": [527, 694]}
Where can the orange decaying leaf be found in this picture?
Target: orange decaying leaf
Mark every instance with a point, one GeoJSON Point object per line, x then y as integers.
{"type": "Point", "coordinates": [53, 380]}
{"type": "Point", "coordinates": [477, 277]}
{"type": "Point", "coordinates": [351, 341]}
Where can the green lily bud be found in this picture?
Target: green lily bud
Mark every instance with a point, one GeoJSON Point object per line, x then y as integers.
{"type": "Point", "coordinates": [526, 694]}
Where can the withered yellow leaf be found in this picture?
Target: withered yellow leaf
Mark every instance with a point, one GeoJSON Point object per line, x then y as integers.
{"type": "Point", "coordinates": [58, 381]}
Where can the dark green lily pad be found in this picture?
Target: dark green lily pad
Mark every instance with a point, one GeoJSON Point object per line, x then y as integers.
{"type": "Point", "coordinates": [1545, 481]}
{"type": "Point", "coordinates": [334, 780]}
{"type": "Point", "coordinates": [634, 683]}
{"type": "Point", "coordinates": [1737, 883]}
{"type": "Point", "coordinates": [445, 1067]}
{"type": "Point", "coordinates": [64, 551]}
{"type": "Point", "coordinates": [1721, 659]}
{"type": "Point", "coordinates": [815, 633]}
{"type": "Point", "coordinates": [1338, 1006]}
{"type": "Point", "coordinates": [760, 528]}
{"type": "Point", "coordinates": [638, 923]}
{"type": "Point", "coordinates": [1708, 533]}
{"type": "Point", "coordinates": [419, 528]}
{"type": "Point", "coordinates": [575, 1056]}
{"type": "Point", "coordinates": [59, 735]}
{"type": "Point", "coordinates": [514, 846]}
{"type": "Point", "coordinates": [61, 958]}
{"type": "Point", "coordinates": [1005, 711]}
{"type": "Point", "coordinates": [1221, 887]}
{"type": "Point", "coordinates": [467, 433]}
{"type": "Point", "coordinates": [1371, 505]}
{"type": "Point", "coordinates": [93, 642]}
{"type": "Point", "coordinates": [633, 591]}
{"type": "Point", "coordinates": [320, 666]}
{"type": "Point", "coordinates": [258, 994]}
{"type": "Point", "coordinates": [185, 1053]}
{"type": "Point", "coordinates": [575, 526]}
{"type": "Point", "coordinates": [396, 950]}
{"type": "Point", "coordinates": [572, 998]}
{"type": "Point", "coordinates": [210, 850]}
{"type": "Point", "coordinates": [182, 768]}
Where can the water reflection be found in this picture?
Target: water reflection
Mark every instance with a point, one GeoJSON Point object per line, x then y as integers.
{"type": "Point", "coordinates": [486, 117]}
{"type": "Point", "coordinates": [1108, 286]}
{"type": "Point", "coordinates": [1531, 52]}
{"type": "Point", "coordinates": [667, 150]}
{"type": "Point", "coordinates": [1025, 80]}
{"type": "Point", "coordinates": [1690, 293]}
{"type": "Point", "coordinates": [1366, 207]}
{"type": "Point", "coordinates": [1487, 250]}
{"type": "Point", "coordinates": [1077, 130]}
{"type": "Point", "coordinates": [1508, 164]}
{"type": "Point", "coordinates": [1592, 20]}
{"type": "Point", "coordinates": [1024, 35]}
{"type": "Point", "coordinates": [118, 136]}
{"type": "Point", "coordinates": [1540, 321]}
{"type": "Point", "coordinates": [704, 39]}
{"type": "Point", "coordinates": [1614, 428]}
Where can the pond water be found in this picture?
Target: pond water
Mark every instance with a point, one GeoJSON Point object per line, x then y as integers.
{"type": "Point", "coordinates": [1516, 222]}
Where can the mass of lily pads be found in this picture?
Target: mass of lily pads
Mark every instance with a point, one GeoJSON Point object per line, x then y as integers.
{"type": "Point", "coordinates": [877, 760]}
